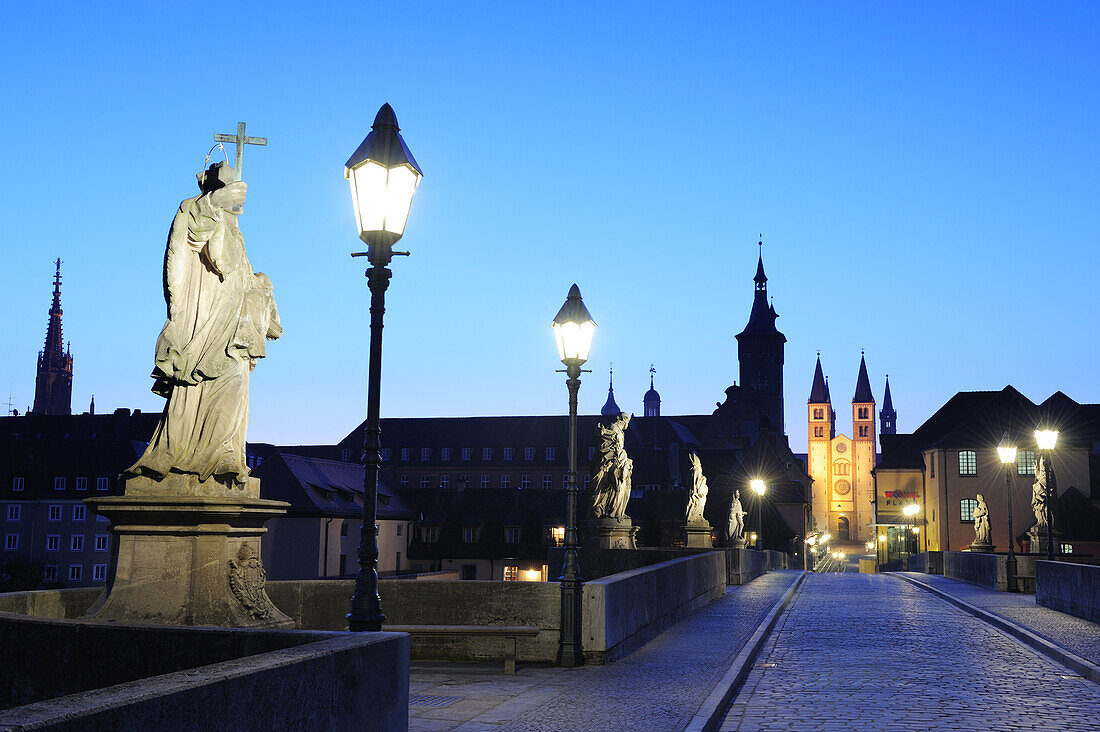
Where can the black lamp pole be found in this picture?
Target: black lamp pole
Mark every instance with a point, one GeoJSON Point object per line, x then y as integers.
{"type": "Point", "coordinates": [1052, 488]}
{"type": "Point", "coordinates": [570, 651]}
{"type": "Point", "coordinates": [1010, 561]}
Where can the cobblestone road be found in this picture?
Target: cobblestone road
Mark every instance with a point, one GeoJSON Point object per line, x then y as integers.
{"type": "Point", "coordinates": [873, 652]}
{"type": "Point", "coordinates": [658, 687]}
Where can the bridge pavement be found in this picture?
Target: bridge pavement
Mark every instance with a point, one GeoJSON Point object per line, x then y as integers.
{"type": "Point", "coordinates": [873, 652]}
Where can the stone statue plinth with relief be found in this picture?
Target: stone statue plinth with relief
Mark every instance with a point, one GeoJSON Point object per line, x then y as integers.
{"type": "Point", "coordinates": [188, 525]}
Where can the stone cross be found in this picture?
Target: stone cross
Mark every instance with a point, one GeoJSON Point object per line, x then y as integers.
{"type": "Point", "coordinates": [240, 141]}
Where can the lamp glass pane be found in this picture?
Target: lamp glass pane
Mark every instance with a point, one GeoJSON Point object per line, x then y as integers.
{"type": "Point", "coordinates": [368, 191]}
{"type": "Point", "coordinates": [399, 193]}
{"type": "Point", "coordinates": [1007, 454]}
{"type": "Point", "coordinates": [574, 340]}
{"type": "Point", "coordinates": [1046, 439]}
{"type": "Point", "coordinates": [758, 486]}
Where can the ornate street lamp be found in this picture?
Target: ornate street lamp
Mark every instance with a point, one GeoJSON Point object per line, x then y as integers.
{"type": "Point", "coordinates": [573, 331]}
{"type": "Point", "coordinates": [383, 176]}
{"type": "Point", "coordinates": [759, 488]}
{"type": "Point", "coordinates": [1006, 451]}
{"type": "Point", "coordinates": [1047, 439]}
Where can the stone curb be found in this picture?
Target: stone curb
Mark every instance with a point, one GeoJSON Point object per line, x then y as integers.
{"type": "Point", "coordinates": [710, 713]}
{"type": "Point", "coordinates": [1053, 651]}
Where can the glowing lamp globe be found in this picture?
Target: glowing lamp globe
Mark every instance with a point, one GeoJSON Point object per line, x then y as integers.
{"type": "Point", "coordinates": [573, 329]}
{"type": "Point", "coordinates": [757, 486]}
{"type": "Point", "coordinates": [1006, 451]}
{"type": "Point", "coordinates": [1046, 438]}
{"type": "Point", "coordinates": [383, 176]}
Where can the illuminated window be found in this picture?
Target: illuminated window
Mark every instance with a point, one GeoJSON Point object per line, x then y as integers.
{"type": "Point", "coordinates": [507, 453]}
{"type": "Point", "coordinates": [99, 572]}
{"type": "Point", "coordinates": [1025, 462]}
{"type": "Point", "coordinates": [557, 535]}
{"type": "Point", "coordinates": [101, 484]}
{"type": "Point", "coordinates": [547, 482]}
{"type": "Point", "coordinates": [968, 462]}
{"type": "Point", "coordinates": [511, 573]}
{"type": "Point", "coordinates": [966, 510]}
{"type": "Point", "coordinates": [1067, 548]}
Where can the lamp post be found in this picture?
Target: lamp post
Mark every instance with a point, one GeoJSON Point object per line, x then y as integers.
{"type": "Point", "coordinates": [383, 176]}
{"type": "Point", "coordinates": [759, 488]}
{"type": "Point", "coordinates": [1006, 451]}
{"type": "Point", "coordinates": [911, 511]}
{"type": "Point", "coordinates": [1047, 439]}
{"type": "Point", "coordinates": [573, 331]}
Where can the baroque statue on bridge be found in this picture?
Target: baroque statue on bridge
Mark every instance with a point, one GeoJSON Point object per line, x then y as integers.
{"type": "Point", "coordinates": [736, 524]}
{"type": "Point", "coordinates": [611, 470]}
{"type": "Point", "coordinates": [1039, 494]}
{"type": "Point", "coordinates": [220, 313]}
{"type": "Point", "coordinates": [697, 499]}
{"type": "Point", "coordinates": [982, 536]}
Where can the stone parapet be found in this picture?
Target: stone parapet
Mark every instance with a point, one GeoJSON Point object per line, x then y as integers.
{"type": "Point", "coordinates": [745, 565]}
{"type": "Point", "coordinates": [1069, 588]}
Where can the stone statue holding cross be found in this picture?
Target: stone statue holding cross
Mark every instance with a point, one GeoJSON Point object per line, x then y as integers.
{"type": "Point", "coordinates": [220, 313]}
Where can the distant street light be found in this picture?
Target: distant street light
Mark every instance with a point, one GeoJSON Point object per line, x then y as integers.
{"type": "Point", "coordinates": [573, 331]}
{"type": "Point", "coordinates": [383, 176]}
{"type": "Point", "coordinates": [1047, 439]}
{"type": "Point", "coordinates": [759, 488]}
{"type": "Point", "coordinates": [1006, 451]}
{"type": "Point", "coordinates": [911, 510]}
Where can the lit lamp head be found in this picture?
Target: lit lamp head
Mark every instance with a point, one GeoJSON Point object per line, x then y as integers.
{"type": "Point", "coordinates": [1046, 438]}
{"type": "Point", "coordinates": [573, 329]}
{"type": "Point", "coordinates": [1006, 451]}
{"type": "Point", "coordinates": [911, 509]}
{"type": "Point", "coordinates": [757, 486]}
{"type": "Point", "coordinates": [882, 538]}
{"type": "Point", "coordinates": [383, 175]}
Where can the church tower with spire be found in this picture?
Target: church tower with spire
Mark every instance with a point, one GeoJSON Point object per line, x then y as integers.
{"type": "Point", "coordinates": [760, 353]}
{"type": "Point", "coordinates": [843, 489]}
{"type": "Point", "coordinates": [651, 402]}
{"type": "Point", "coordinates": [610, 408]}
{"type": "Point", "coordinates": [887, 417]}
{"type": "Point", "coordinates": [53, 388]}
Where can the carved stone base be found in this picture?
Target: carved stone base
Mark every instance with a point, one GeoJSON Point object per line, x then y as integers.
{"type": "Point", "coordinates": [609, 534]}
{"type": "Point", "coordinates": [981, 548]}
{"type": "Point", "coordinates": [188, 560]}
{"type": "Point", "coordinates": [698, 535]}
{"type": "Point", "coordinates": [737, 543]}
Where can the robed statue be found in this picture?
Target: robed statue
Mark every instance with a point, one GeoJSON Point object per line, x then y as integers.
{"type": "Point", "coordinates": [611, 470]}
{"type": "Point", "coordinates": [220, 313]}
{"type": "Point", "coordinates": [697, 499]}
{"type": "Point", "coordinates": [1039, 494]}
{"type": "Point", "coordinates": [736, 524]}
{"type": "Point", "coordinates": [982, 535]}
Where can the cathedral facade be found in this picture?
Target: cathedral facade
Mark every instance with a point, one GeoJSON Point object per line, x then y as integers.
{"type": "Point", "coordinates": [844, 490]}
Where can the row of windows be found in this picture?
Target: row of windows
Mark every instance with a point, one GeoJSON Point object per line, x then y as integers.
{"type": "Point", "coordinates": [444, 481]}
{"type": "Point", "coordinates": [465, 453]}
{"type": "Point", "coordinates": [80, 512]}
{"type": "Point", "coordinates": [76, 572]}
{"type": "Point", "coordinates": [59, 483]}
{"type": "Point", "coordinates": [861, 413]}
{"type": "Point", "coordinates": [470, 534]}
{"type": "Point", "coordinates": [968, 463]}
{"type": "Point", "coordinates": [53, 542]}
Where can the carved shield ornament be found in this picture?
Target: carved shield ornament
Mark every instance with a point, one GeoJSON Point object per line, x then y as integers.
{"type": "Point", "coordinates": [247, 579]}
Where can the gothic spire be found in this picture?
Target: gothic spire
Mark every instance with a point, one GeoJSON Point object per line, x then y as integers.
{"type": "Point", "coordinates": [610, 408]}
{"type": "Point", "coordinates": [863, 384]}
{"type": "Point", "coordinates": [819, 392]}
{"type": "Point", "coordinates": [53, 384]}
{"type": "Point", "coordinates": [55, 350]}
{"type": "Point", "coordinates": [887, 402]}
{"type": "Point", "coordinates": [763, 315]}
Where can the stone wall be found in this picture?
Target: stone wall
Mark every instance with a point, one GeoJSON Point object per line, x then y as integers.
{"type": "Point", "coordinates": [623, 611]}
{"type": "Point", "coordinates": [1069, 588]}
{"type": "Point", "coordinates": [989, 570]}
{"type": "Point", "coordinates": [927, 562]}
{"type": "Point", "coordinates": [140, 677]}
{"type": "Point", "coordinates": [744, 565]}
{"type": "Point", "coordinates": [776, 560]}
{"type": "Point", "coordinates": [597, 563]}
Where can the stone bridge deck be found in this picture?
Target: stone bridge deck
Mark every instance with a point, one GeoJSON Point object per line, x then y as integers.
{"type": "Point", "coordinates": [850, 652]}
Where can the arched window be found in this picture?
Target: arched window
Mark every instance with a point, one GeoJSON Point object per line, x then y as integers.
{"type": "Point", "coordinates": [966, 510]}
{"type": "Point", "coordinates": [842, 467]}
{"type": "Point", "coordinates": [819, 414]}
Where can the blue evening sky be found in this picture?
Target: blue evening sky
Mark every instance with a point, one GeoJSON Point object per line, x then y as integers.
{"type": "Point", "coordinates": [925, 176]}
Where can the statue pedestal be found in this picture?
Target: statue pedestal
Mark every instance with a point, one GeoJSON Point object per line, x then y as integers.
{"type": "Point", "coordinates": [609, 533]}
{"type": "Point", "coordinates": [981, 548]}
{"type": "Point", "coordinates": [698, 535]}
{"type": "Point", "coordinates": [188, 559]}
{"type": "Point", "coordinates": [738, 543]}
